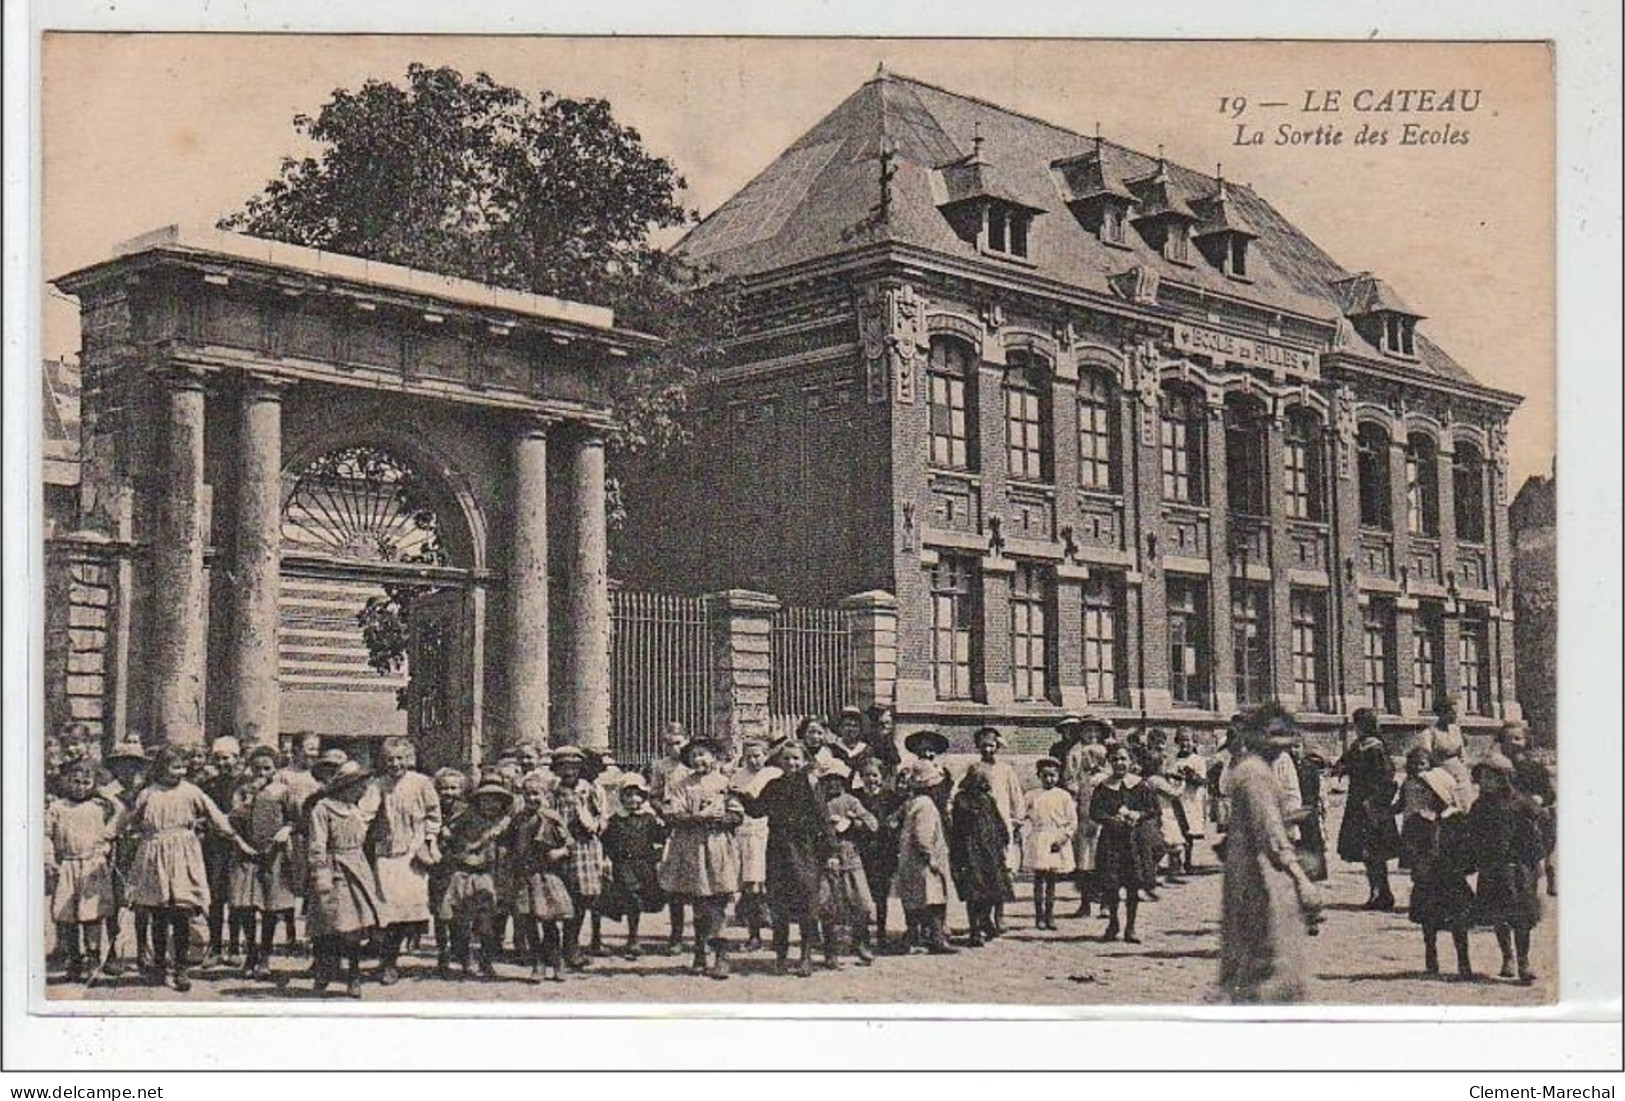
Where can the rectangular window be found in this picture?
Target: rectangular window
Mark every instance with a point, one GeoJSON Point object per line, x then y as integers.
{"type": "Point", "coordinates": [1246, 455]}
{"type": "Point", "coordinates": [1095, 432]}
{"type": "Point", "coordinates": [1308, 650]}
{"type": "Point", "coordinates": [1468, 475]}
{"type": "Point", "coordinates": [1189, 655]}
{"type": "Point", "coordinates": [1030, 597]}
{"type": "Point", "coordinates": [953, 627]}
{"type": "Point", "coordinates": [1375, 503]}
{"type": "Point", "coordinates": [1475, 666]}
{"type": "Point", "coordinates": [996, 227]}
{"type": "Point", "coordinates": [1182, 466]}
{"type": "Point", "coordinates": [1176, 246]}
{"type": "Point", "coordinates": [1238, 256]}
{"type": "Point", "coordinates": [1302, 492]}
{"type": "Point", "coordinates": [1380, 676]}
{"type": "Point", "coordinates": [949, 439]}
{"type": "Point", "coordinates": [1024, 433]}
{"type": "Point", "coordinates": [1111, 225]}
{"type": "Point", "coordinates": [1101, 615]}
{"type": "Point", "coordinates": [1250, 635]}
{"type": "Point", "coordinates": [1427, 655]}
{"type": "Point", "coordinates": [1421, 488]}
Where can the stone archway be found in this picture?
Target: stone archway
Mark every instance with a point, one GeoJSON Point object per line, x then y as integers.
{"type": "Point", "coordinates": [375, 635]}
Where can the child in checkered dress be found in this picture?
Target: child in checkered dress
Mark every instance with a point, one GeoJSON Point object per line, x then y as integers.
{"type": "Point", "coordinates": [577, 801]}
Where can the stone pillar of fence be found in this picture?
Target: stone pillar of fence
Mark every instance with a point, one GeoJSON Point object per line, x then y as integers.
{"type": "Point", "coordinates": [741, 664]}
{"type": "Point", "coordinates": [872, 620]}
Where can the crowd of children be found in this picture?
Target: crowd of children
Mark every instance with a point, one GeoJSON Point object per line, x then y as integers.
{"type": "Point", "coordinates": [811, 834]}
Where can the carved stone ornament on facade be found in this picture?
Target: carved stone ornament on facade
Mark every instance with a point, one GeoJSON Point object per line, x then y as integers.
{"type": "Point", "coordinates": [1348, 428]}
{"type": "Point", "coordinates": [1149, 383]}
{"type": "Point", "coordinates": [1138, 284]}
{"type": "Point", "coordinates": [1498, 453]}
{"type": "Point", "coordinates": [891, 331]}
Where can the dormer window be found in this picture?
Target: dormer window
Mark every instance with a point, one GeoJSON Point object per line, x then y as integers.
{"type": "Point", "coordinates": [1096, 194]}
{"type": "Point", "coordinates": [1224, 235]}
{"type": "Point", "coordinates": [1378, 314]}
{"type": "Point", "coordinates": [1164, 218]}
{"type": "Point", "coordinates": [981, 210]}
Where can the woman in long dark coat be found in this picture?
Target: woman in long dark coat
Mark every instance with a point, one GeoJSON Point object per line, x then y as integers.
{"type": "Point", "coordinates": [1368, 835]}
{"type": "Point", "coordinates": [800, 845]}
{"type": "Point", "coordinates": [977, 840]}
{"type": "Point", "coordinates": [1119, 804]}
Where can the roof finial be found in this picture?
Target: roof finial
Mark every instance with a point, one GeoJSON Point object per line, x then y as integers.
{"type": "Point", "coordinates": [976, 140]}
{"type": "Point", "coordinates": [880, 70]}
{"type": "Point", "coordinates": [1223, 193]}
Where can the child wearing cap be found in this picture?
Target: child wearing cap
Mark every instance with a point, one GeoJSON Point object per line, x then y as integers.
{"type": "Point", "coordinates": [128, 765]}
{"type": "Point", "coordinates": [539, 850]}
{"type": "Point", "coordinates": [1052, 823]}
{"type": "Point", "coordinates": [346, 908]}
{"type": "Point", "coordinates": [922, 862]}
{"type": "Point", "coordinates": [79, 831]}
{"type": "Point", "coordinates": [633, 843]}
{"type": "Point", "coordinates": [471, 848]}
{"type": "Point", "coordinates": [701, 867]}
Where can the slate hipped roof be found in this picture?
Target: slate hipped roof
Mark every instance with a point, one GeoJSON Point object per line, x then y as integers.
{"type": "Point", "coordinates": [60, 438]}
{"type": "Point", "coordinates": [821, 198]}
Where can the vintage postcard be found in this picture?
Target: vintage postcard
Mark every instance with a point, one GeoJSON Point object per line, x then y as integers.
{"type": "Point", "coordinates": [564, 521]}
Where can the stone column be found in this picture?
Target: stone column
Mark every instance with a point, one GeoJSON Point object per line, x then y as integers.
{"type": "Point", "coordinates": [586, 655]}
{"type": "Point", "coordinates": [873, 625]}
{"type": "Point", "coordinates": [741, 665]}
{"type": "Point", "coordinates": [527, 655]}
{"type": "Point", "coordinates": [178, 583]}
{"type": "Point", "coordinates": [255, 594]}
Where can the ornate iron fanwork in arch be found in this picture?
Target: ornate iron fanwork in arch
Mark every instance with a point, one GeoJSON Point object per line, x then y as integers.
{"type": "Point", "coordinates": [362, 504]}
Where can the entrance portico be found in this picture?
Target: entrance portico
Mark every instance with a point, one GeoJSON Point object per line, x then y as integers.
{"type": "Point", "coordinates": [221, 372]}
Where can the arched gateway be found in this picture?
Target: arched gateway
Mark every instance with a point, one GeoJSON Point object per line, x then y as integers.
{"type": "Point", "coordinates": [326, 487]}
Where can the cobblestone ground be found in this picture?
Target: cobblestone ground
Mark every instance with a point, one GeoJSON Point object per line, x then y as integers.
{"type": "Point", "coordinates": [1358, 958]}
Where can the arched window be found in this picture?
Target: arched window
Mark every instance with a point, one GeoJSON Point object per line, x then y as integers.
{"type": "Point", "coordinates": [1246, 456]}
{"type": "Point", "coordinates": [1376, 496]}
{"type": "Point", "coordinates": [1097, 466]}
{"type": "Point", "coordinates": [1184, 474]}
{"type": "Point", "coordinates": [1468, 473]}
{"type": "Point", "coordinates": [1305, 497]}
{"type": "Point", "coordinates": [1026, 423]}
{"type": "Point", "coordinates": [1421, 486]}
{"type": "Point", "coordinates": [952, 374]}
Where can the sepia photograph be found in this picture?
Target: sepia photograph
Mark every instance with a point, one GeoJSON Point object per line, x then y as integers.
{"type": "Point", "coordinates": [877, 522]}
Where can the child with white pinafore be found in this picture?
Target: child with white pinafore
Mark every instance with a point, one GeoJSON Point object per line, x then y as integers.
{"type": "Point", "coordinates": [1052, 823]}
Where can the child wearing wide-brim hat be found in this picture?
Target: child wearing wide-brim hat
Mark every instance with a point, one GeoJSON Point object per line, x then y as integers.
{"type": "Point", "coordinates": [471, 848]}
{"type": "Point", "coordinates": [921, 882]}
{"type": "Point", "coordinates": [634, 841]}
{"type": "Point", "coordinates": [927, 746]}
{"type": "Point", "coordinates": [344, 904]}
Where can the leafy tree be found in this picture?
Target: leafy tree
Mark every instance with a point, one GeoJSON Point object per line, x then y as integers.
{"type": "Point", "coordinates": [550, 195]}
